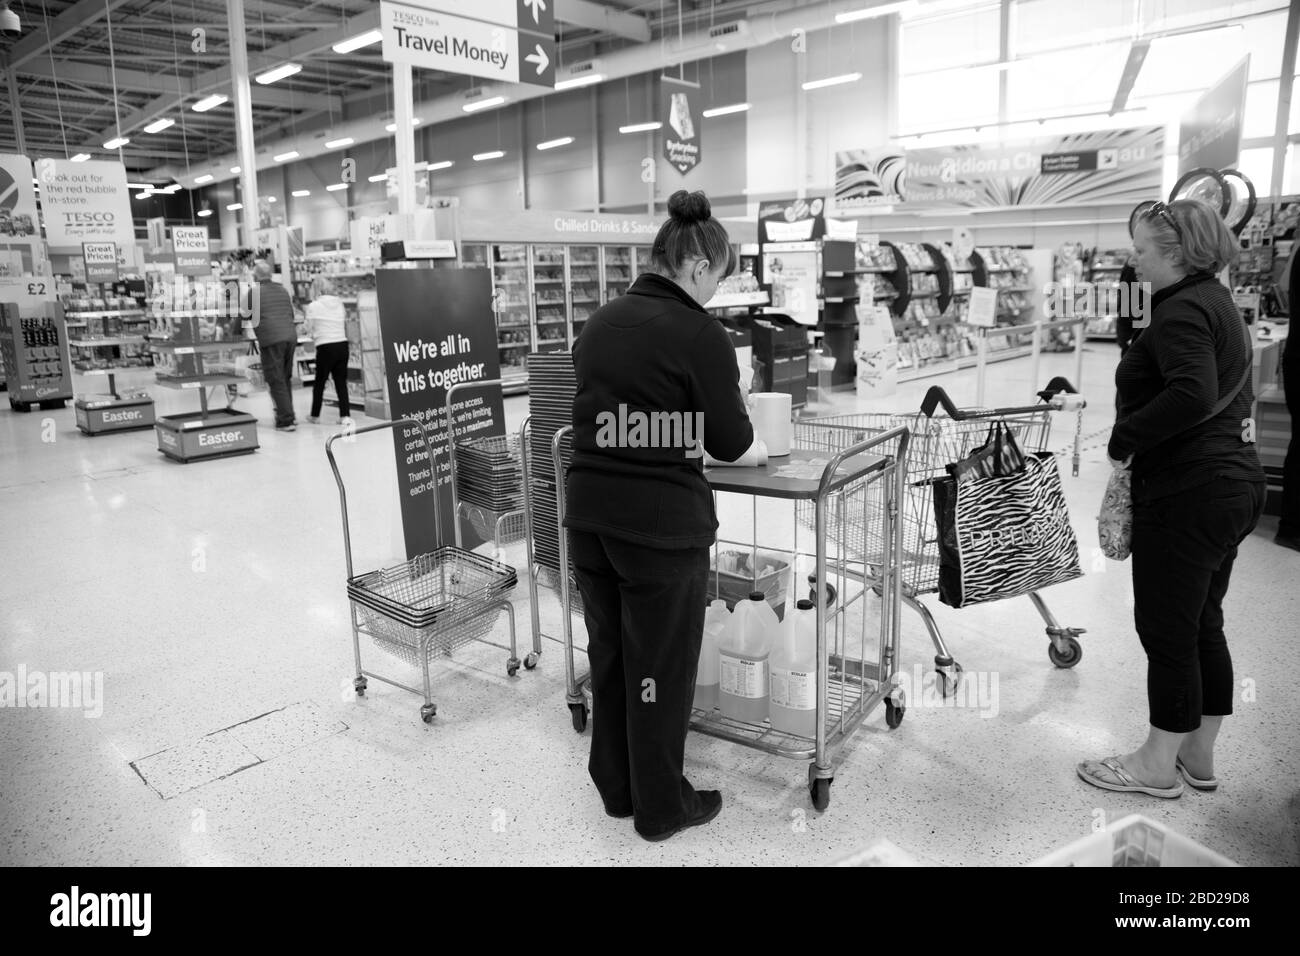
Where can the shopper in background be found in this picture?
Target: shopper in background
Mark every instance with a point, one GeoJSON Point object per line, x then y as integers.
{"type": "Point", "coordinates": [277, 340]}
{"type": "Point", "coordinates": [1124, 331]}
{"type": "Point", "coordinates": [1288, 528]}
{"type": "Point", "coordinates": [641, 519]}
{"type": "Point", "coordinates": [1198, 491]}
{"type": "Point", "coordinates": [325, 321]}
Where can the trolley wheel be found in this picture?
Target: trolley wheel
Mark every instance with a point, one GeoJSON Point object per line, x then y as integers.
{"type": "Point", "coordinates": [812, 591]}
{"type": "Point", "coordinates": [894, 713]}
{"type": "Point", "coordinates": [512, 667]}
{"type": "Point", "coordinates": [579, 712]}
{"type": "Point", "coordinates": [1071, 656]}
{"type": "Point", "coordinates": [359, 685]}
{"type": "Point", "coordinates": [530, 661]}
{"type": "Point", "coordinates": [820, 791]}
{"type": "Point", "coordinates": [949, 680]}
{"type": "Point", "coordinates": [428, 712]}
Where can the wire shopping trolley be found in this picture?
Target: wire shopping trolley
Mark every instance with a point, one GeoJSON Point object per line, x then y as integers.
{"type": "Point", "coordinates": [936, 442]}
{"type": "Point", "coordinates": [487, 484]}
{"type": "Point", "coordinates": [427, 606]}
{"type": "Point", "coordinates": [856, 673]}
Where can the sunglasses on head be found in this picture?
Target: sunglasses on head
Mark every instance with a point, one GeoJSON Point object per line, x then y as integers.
{"type": "Point", "coordinates": [1164, 212]}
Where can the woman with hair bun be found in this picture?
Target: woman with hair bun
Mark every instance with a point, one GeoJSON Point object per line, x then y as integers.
{"type": "Point", "coordinates": [640, 513]}
{"type": "Point", "coordinates": [1198, 490]}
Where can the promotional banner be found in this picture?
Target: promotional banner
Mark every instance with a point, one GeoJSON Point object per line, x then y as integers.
{"type": "Point", "coordinates": [876, 355]}
{"type": "Point", "coordinates": [1104, 166]}
{"type": "Point", "coordinates": [792, 220]}
{"type": "Point", "coordinates": [791, 268]}
{"type": "Point", "coordinates": [190, 244]}
{"type": "Point", "coordinates": [17, 197]}
{"type": "Point", "coordinates": [868, 177]}
{"type": "Point", "coordinates": [157, 232]}
{"type": "Point", "coordinates": [1210, 132]}
{"type": "Point", "coordinates": [681, 135]}
{"type": "Point", "coordinates": [101, 261]}
{"type": "Point", "coordinates": [438, 330]}
{"type": "Point", "coordinates": [85, 202]}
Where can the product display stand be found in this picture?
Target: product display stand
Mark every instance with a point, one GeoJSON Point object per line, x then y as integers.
{"type": "Point", "coordinates": [36, 358]}
{"type": "Point", "coordinates": [97, 414]}
{"type": "Point", "coordinates": [108, 335]}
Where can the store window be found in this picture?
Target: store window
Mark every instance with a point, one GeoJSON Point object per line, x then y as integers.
{"type": "Point", "coordinates": [945, 79]}
{"type": "Point", "coordinates": [1041, 25]}
{"type": "Point", "coordinates": [1261, 108]}
{"type": "Point", "coordinates": [1066, 81]}
{"type": "Point", "coordinates": [950, 40]}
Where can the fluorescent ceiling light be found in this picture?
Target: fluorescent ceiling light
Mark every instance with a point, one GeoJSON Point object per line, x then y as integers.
{"type": "Point", "coordinates": [832, 81]}
{"type": "Point", "coordinates": [116, 143]}
{"type": "Point", "coordinates": [235, 207]}
{"type": "Point", "coordinates": [279, 73]}
{"type": "Point", "coordinates": [157, 126]}
{"type": "Point", "coordinates": [271, 199]}
{"type": "Point", "coordinates": [483, 104]}
{"type": "Point", "coordinates": [725, 110]}
{"type": "Point", "coordinates": [335, 187]}
{"type": "Point", "coordinates": [493, 154]}
{"type": "Point", "coordinates": [379, 177]}
{"type": "Point", "coordinates": [445, 164]}
{"type": "Point", "coordinates": [204, 213]}
{"type": "Point", "coordinates": [139, 185]}
{"type": "Point", "coordinates": [553, 143]}
{"type": "Point", "coordinates": [205, 178]}
{"type": "Point", "coordinates": [640, 127]}
{"type": "Point", "coordinates": [144, 194]}
{"type": "Point", "coordinates": [881, 10]}
{"type": "Point", "coordinates": [285, 157]}
{"type": "Point", "coordinates": [357, 42]}
{"type": "Point", "coordinates": [392, 127]}
{"type": "Point", "coordinates": [236, 170]}
{"type": "Point", "coordinates": [301, 192]}
{"type": "Point", "coordinates": [209, 102]}
{"type": "Point", "coordinates": [336, 143]}
{"type": "Point", "coordinates": [79, 158]}
{"type": "Point", "coordinates": [576, 81]}
{"type": "Point", "coordinates": [173, 188]}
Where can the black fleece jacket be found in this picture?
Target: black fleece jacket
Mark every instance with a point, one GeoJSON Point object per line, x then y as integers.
{"type": "Point", "coordinates": [654, 351]}
{"type": "Point", "coordinates": [1192, 356]}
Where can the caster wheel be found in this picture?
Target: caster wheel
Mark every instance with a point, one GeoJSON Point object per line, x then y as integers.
{"type": "Point", "coordinates": [812, 591]}
{"type": "Point", "coordinates": [530, 661]}
{"type": "Point", "coordinates": [428, 712]}
{"type": "Point", "coordinates": [1074, 651]}
{"type": "Point", "coordinates": [949, 680]}
{"type": "Point", "coordinates": [579, 712]}
{"type": "Point", "coordinates": [512, 667]}
{"type": "Point", "coordinates": [894, 714]}
{"type": "Point", "coordinates": [820, 791]}
{"type": "Point", "coordinates": [359, 685]}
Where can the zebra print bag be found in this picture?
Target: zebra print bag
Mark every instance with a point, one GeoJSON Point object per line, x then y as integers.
{"type": "Point", "coordinates": [1004, 536]}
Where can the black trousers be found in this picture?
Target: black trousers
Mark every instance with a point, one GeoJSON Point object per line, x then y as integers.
{"type": "Point", "coordinates": [1289, 526]}
{"type": "Point", "coordinates": [331, 362]}
{"type": "Point", "coordinates": [277, 369]}
{"type": "Point", "coordinates": [645, 622]}
{"type": "Point", "coordinates": [1184, 546]}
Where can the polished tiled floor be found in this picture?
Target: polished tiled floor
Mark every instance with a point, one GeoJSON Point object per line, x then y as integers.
{"type": "Point", "coordinates": [209, 600]}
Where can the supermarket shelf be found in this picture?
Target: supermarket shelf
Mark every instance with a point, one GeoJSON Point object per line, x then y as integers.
{"type": "Point", "coordinates": [841, 273]}
{"type": "Point", "coordinates": [1015, 288]}
{"type": "Point", "coordinates": [1007, 269]}
{"type": "Point", "coordinates": [199, 381]}
{"type": "Point", "coordinates": [111, 371]}
{"type": "Point", "coordinates": [737, 300]}
{"type": "Point", "coordinates": [969, 361]}
{"type": "Point", "coordinates": [552, 322]}
{"type": "Point", "coordinates": [103, 343]}
{"type": "Point", "coordinates": [923, 295]}
{"type": "Point", "coordinates": [514, 345]}
{"type": "Point", "coordinates": [114, 314]}
{"type": "Point", "coordinates": [192, 347]}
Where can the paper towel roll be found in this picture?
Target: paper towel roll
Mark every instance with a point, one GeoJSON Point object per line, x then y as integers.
{"type": "Point", "coordinates": [770, 413]}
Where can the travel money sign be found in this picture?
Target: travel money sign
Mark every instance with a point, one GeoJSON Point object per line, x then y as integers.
{"type": "Point", "coordinates": [511, 41]}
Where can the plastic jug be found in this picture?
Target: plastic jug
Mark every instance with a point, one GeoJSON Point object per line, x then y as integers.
{"type": "Point", "coordinates": [743, 682]}
{"type": "Point", "coordinates": [794, 673]}
{"type": "Point", "coordinates": [716, 617]}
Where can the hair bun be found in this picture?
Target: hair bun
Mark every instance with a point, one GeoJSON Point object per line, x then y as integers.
{"type": "Point", "coordinates": [687, 208]}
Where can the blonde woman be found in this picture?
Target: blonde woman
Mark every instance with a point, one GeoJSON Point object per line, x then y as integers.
{"type": "Point", "coordinates": [325, 319]}
{"type": "Point", "coordinates": [1198, 491]}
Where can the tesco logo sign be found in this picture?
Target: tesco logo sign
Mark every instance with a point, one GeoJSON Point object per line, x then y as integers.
{"type": "Point", "coordinates": [81, 218]}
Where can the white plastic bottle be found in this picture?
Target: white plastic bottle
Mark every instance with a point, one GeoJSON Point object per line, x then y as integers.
{"type": "Point", "coordinates": [794, 673]}
{"type": "Point", "coordinates": [743, 682]}
{"type": "Point", "coordinates": [716, 617]}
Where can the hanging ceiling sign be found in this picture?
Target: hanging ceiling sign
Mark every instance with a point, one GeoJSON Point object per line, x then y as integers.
{"type": "Point", "coordinates": [191, 245]}
{"type": "Point", "coordinates": [17, 198]}
{"type": "Point", "coordinates": [431, 35]}
{"type": "Point", "coordinates": [101, 261]}
{"type": "Point", "coordinates": [1210, 132]}
{"type": "Point", "coordinates": [681, 135]}
{"type": "Point", "coordinates": [85, 202]}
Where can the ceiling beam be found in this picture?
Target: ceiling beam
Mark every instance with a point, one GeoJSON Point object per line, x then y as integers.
{"type": "Point", "coordinates": [600, 16]}
{"type": "Point", "coordinates": [66, 24]}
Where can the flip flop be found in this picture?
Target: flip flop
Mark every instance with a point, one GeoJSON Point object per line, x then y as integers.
{"type": "Point", "coordinates": [1122, 781]}
{"type": "Point", "coordinates": [1196, 783]}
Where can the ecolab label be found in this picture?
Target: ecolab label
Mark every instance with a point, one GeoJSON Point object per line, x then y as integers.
{"type": "Point", "coordinates": [210, 439]}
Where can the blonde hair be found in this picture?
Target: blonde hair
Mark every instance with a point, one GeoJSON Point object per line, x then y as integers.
{"type": "Point", "coordinates": [324, 286]}
{"type": "Point", "coordinates": [1206, 243]}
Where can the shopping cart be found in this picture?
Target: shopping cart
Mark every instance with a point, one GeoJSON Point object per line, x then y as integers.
{"type": "Point", "coordinates": [501, 519]}
{"type": "Point", "coordinates": [429, 605]}
{"type": "Point", "coordinates": [935, 443]}
{"type": "Point", "coordinates": [856, 672]}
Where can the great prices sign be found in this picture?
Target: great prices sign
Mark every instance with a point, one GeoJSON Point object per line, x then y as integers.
{"type": "Point", "coordinates": [190, 244]}
{"type": "Point", "coordinates": [85, 202]}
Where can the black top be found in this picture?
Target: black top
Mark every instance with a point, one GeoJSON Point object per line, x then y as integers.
{"type": "Point", "coordinates": [671, 366]}
{"type": "Point", "coordinates": [1192, 356]}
